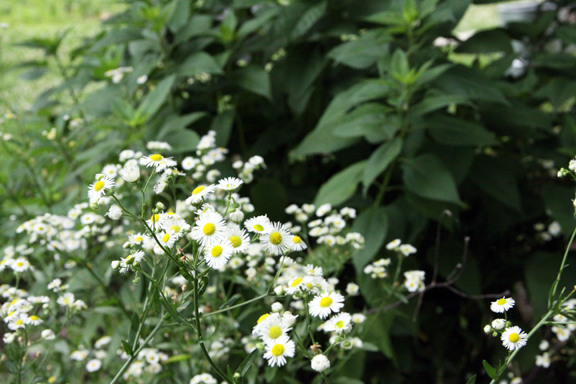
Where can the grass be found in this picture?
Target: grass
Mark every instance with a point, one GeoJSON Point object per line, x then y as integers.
{"type": "Point", "coordinates": [27, 19]}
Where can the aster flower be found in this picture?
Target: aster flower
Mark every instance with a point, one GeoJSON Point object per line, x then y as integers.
{"type": "Point", "coordinates": [502, 305]}
{"type": "Point", "coordinates": [217, 255]}
{"type": "Point", "coordinates": [209, 228]}
{"type": "Point", "coordinates": [322, 305]}
{"type": "Point", "coordinates": [514, 338]}
{"type": "Point", "coordinates": [277, 351]}
{"type": "Point", "coordinates": [277, 240]}
{"type": "Point", "coordinates": [199, 193]}
{"type": "Point", "coordinates": [96, 190]}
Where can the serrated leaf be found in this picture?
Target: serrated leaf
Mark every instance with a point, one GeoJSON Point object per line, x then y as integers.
{"type": "Point", "coordinates": [380, 159]}
{"type": "Point", "coordinates": [490, 370]}
{"type": "Point", "coordinates": [426, 176]}
{"type": "Point", "coordinates": [341, 186]}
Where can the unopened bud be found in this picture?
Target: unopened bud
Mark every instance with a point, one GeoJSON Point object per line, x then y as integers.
{"type": "Point", "coordinates": [160, 206]}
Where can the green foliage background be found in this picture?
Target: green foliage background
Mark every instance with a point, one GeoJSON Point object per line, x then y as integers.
{"type": "Point", "coordinates": [350, 102]}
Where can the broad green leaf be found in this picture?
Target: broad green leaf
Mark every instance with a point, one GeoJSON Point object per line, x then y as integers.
{"type": "Point", "coordinates": [308, 19]}
{"type": "Point", "coordinates": [364, 52]}
{"type": "Point", "coordinates": [134, 324]}
{"type": "Point", "coordinates": [178, 123]}
{"type": "Point", "coordinates": [380, 159]}
{"type": "Point", "coordinates": [557, 199]}
{"type": "Point", "coordinates": [368, 119]}
{"type": "Point", "coordinates": [490, 370]}
{"type": "Point", "coordinates": [470, 84]}
{"type": "Point", "coordinates": [433, 102]}
{"type": "Point", "coordinates": [399, 66]}
{"type": "Point", "coordinates": [179, 14]}
{"type": "Point", "coordinates": [155, 99]}
{"type": "Point", "coordinates": [199, 62]}
{"type": "Point", "coordinates": [378, 330]}
{"type": "Point", "coordinates": [427, 177]}
{"type": "Point", "coordinates": [386, 18]}
{"type": "Point", "coordinates": [127, 348]}
{"type": "Point", "coordinates": [260, 21]}
{"type": "Point", "coordinates": [453, 131]}
{"type": "Point", "coordinates": [182, 141]}
{"type": "Point", "coordinates": [373, 225]}
{"type": "Point", "coordinates": [472, 380]}
{"type": "Point", "coordinates": [253, 79]}
{"type": "Point", "coordinates": [341, 186]}
{"type": "Point", "coordinates": [222, 125]}
{"type": "Point", "coordinates": [488, 41]}
{"type": "Point", "coordinates": [302, 68]}
{"type": "Point", "coordinates": [322, 139]}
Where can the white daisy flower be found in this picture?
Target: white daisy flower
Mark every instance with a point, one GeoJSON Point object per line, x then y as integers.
{"type": "Point", "coordinates": [209, 229]}
{"type": "Point", "coordinates": [175, 224]}
{"type": "Point", "coordinates": [48, 334]}
{"type": "Point", "coordinates": [297, 244]}
{"type": "Point", "coordinates": [217, 255]}
{"type": "Point", "coordinates": [277, 240]}
{"type": "Point", "coordinates": [199, 193]}
{"type": "Point", "coordinates": [259, 323]}
{"type": "Point", "coordinates": [323, 209]}
{"type": "Point", "coordinates": [406, 249]}
{"type": "Point", "coordinates": [167, 238]}
{"type": "Point", "coordinates": [93, 365]}
{"type": "Point", "coordinates": [229, 184]}
{"type": "Point", "coordinates": [311, 270]}
{"type": "Point", "coordinates": [358, 318]}
{"type": "Point", "coordinates": [158, 161]}
{"type": "Point", "coordinates": [96, 190]}
{"type": "Point", "coordinates": [294, 285]}
{"type": "Point", "coordinates": [273, 328]}
{"type": "Point", "coordinates": [189, 163]}
{"type": "Point", "coordinates": [238, 237]}
{"type": "Point", "coordinates": [322, 305]}
{"type": "Point", "coordinates": [34, 320]}
{"type": "Point", "coordinates": [514, 338]}
{"type": "Point", "coordinates": [110, 170]}
{"type": "Point", "coordinates": [339, 323]}
{"type": "Point", "coordinates": [130, 172]}
{"type": "Point", "coordinates": [258, 224]}
{"type": "Point", "coordinates": [393, 244]}
{"type": "Point", "coordinates": [502, 305]}
{"type": "Point", "coordinates": [277, 352]}
{"type": "Point", "coordinates": [19, 321]}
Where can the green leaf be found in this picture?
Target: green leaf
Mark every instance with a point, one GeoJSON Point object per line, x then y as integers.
{"type": "Point", "coordinates": [490, 370]}
{"type": "Point", "coordinates": [427, 177]}
{"type": "Point", "coordinates": [433, 102]}
{"type": "Point", "coordinates": [308, 19]}
{"type": "Point", "coordinates": [179, 14]}
{"type": "Point", "coordinates": [222, 125]}
{"type": "Point", "coordinates": [177, 358]}
{"type": "Point", "coordinates": [183, 141]}
{"type": "Point", "coordinates": [399, 66]}
{"type": "Point", "coordinates": [178, 123]}
{"type": "Point", "coordinates": [364, 52]}
{"type": "Point", "coordinates": [127, 348]}
{"type": "Point", "coordinates": [260, 21]}
{"type": "Point", "coordinates": [472, 380]}
{"type": "Point", "coordinates": [470, 84]}
{"type": "Point", "coordinates": [253, 79]}
{"type": "Point", "coordinates": [154, 100]}
{"type": "Point", "coordinates": [487, 41]}
{"type": "Point", "coordinates": [378, 330]}
{"type": "Point", "coordinates": [245, 365]}
{"type": "Point", "coordinates": [370, 119]}
{"type": "Point", "coordinates": [322, 139]}
{"type": "Point", "coordinates": [199, 62]}
{"type": "Point", "coordinates": [134, 325]}
{"type": "Point", "coordinates": [457, 132]}
{"type": "Point", "coordinates": [557, 199]}
{"type": "Point", "coordinates": [341, 186]}
{"type": "Point", "coordinates": [380, 159]}
{"type": "Point", "coordinates": [373, 225]}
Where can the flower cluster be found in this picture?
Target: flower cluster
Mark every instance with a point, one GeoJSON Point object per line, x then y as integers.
{"type": "Point", "coordinates": [513, 337]}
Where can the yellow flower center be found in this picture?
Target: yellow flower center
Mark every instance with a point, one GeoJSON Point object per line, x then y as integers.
{"type": "Point", "coordinates": [309, 285]}
{"type": "Point", "coordinates": [296, 240]}
{"type": "Point", "coordinates": [19, 322]}
{"type": "Point", "coordinates": [170, 212]}
{"type": "Point", "coordinates": [514, 337]}
{"type": "Point", "coordinates": [275, 238]}
{"type": "Point", "coordinates": [339, 324]}
{"type": "Point", "coordinates": [175, 228]}
{"type": "Point", "coordinates": [277, 350]}
{"type": "Point", "coordinates": [156, 157]}
{"type": "Point", "coordinates": [52, 379]}
{"type": "Point", "coordinates": [258, 227]}
{"type": "Point", "coordinates": [263, 317]}
{"type": "Point", "coordinates": [275, 332]}
{"type": "Point", "coordinates": [501, 301]}
{"type": "Point", "coordinates": [236, 241]}
{"type": "Point", "coordinates": [98, 186]}
{"type": "Point", "coordinates": [216, 251]}
{"type": "Point", "coordinates": [155, 218]}
{"type": "Point", "coordinates": [325, 302]}
{"type": "Point", "coordinates": [19, 264]}
{"type": "Point", "coordinates": [296, 282]}
{"type": "Point", "coordinates": [14, 301]}
{"type": "Point", "coordinates": [34, 318]}
{"type": "Point", "coordinates": [197, 190]}
{"type": "Point", "coordinates": [209, 229]}
{"type": "Point", "coordinates": [166, 238]}
{"type": "Point", "coordinates": [139, 239]}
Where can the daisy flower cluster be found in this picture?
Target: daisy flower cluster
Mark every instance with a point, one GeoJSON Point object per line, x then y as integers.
{"type": "Point", "coordinates": [148, 361]}
{"type": "Point", "coordinates": [512, 337]}
{"type": "Point", "coordinates": [93, 357]}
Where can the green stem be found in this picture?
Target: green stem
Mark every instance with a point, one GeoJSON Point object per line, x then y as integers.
{"type": "Point", "coordinates": [135, 354]}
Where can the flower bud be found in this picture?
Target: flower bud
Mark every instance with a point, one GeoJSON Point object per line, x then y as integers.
{"type": "Point", "coordinates": [160, 206]}
{"type": "Point", "coordinates": [487, 329]}
{"type": "Point", "coordinates": [277, 307]}
{"type": "Point", "coordinates": [279, 290]}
